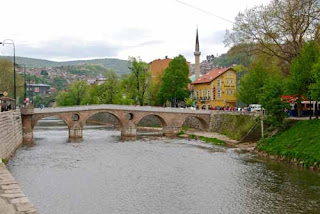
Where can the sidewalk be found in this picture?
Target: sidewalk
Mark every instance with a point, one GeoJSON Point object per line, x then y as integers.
{"type": "Point", "coordinates": [12, 200]}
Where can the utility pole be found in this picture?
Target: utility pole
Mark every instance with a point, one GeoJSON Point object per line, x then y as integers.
{"type": "Point", "coordinates": [25, 84]}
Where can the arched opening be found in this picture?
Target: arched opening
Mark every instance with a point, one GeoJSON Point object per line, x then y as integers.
{"type": "Point", "coordinates": [102, 124]}
{"type": "Point", "coordinates": [194, 123]}
{"type": "Point", "coordinates": [151, 124]}
{"type": "Point", "coordinates": [50, 128]}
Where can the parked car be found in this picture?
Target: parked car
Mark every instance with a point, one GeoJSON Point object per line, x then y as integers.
{"type": "Point", "coordinates": [255, 107]}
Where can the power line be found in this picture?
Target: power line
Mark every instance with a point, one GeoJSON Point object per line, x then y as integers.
{"type": "Point", "coordinates": [204, 11]}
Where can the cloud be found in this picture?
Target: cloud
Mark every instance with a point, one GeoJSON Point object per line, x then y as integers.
{"type": "Point", "coordinates": [67, 48]}
{"type": "Point", "coordinates": [215, 38]}
{"type": "Point", "coordinates": [133, 34]}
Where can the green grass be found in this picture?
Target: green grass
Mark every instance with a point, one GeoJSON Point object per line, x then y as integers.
{"type": "Point", "coordinates": [214, 141]}
{"type": "Point", "coordinates": [300, 142]}
{"type": "Point", "coordinates": [180, 133]}
{"type": "Point", "coordinates": [185, 128]}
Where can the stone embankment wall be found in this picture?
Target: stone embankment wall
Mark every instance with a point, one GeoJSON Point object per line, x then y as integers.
{"type": "Point", "coordinates": [12, 200]}
{"type": "Point", "coordinates": [243, 127]}
{"type": "Point", "coordinates": [10, 133]}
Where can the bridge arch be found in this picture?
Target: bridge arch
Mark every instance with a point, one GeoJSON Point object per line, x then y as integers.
{"type": "Point", "coordinates": [37, 118]}
{"type": "Point", "coordinates": [91, 114]}
{"type": "Point", "coordinates": [161, 119]}
{"type": "Point", "coordinates": [196, 122]}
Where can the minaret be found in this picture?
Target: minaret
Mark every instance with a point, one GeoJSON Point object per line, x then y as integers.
{"type": "Point", "coordinates": [197, 54]}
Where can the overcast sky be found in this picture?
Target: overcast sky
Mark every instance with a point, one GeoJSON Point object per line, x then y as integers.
{"type": "Point", "coordinates": [150, 29]}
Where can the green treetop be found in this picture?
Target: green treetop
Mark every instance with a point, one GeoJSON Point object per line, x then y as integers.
{"type": "Point", "coordinates": [175, 81]}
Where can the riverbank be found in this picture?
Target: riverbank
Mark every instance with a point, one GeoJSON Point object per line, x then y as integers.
{"type": "Point", "coordinates": [299, 144]}
{"type": "Point", "coordinates": [216, 139]}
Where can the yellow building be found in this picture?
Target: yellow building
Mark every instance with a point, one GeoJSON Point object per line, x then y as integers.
{"type": "Point", "coordinates": [216, 88]}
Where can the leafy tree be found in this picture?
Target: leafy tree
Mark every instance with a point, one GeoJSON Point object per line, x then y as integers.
{"type": "Point", "coordinates": [189, 101]}
{"type": "Point", "coordinates": [270, 99]}
{"type": "Point", "coordinates": [6, 79]}
{"type": "Point", "coordinates": [278, 29]}
{"type": "Point", "coordinates": [300, 79]}
{"type": "Point", "coordinates": [76, 94]}
{"type": "Point", "coordinates": [138, 81]}
{"type": "Point", "coordinates": [315, 86]}
{"type": "Point", "coordinates": [175, 81]}
{"type": "Point", "coordinates": [110, 90]}
{"type": "Point", "coordinates": [252, 83]}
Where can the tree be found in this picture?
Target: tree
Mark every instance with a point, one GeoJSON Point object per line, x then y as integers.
{"type": "Point", "coordinates": [175, 81]}
{"type": "Point", "coordinates": [270, 99]}
{"type": "Point", "coordinates": [138, 80]}
{"type": "Point", "coordinates": [252, 83]}
{"type": "Point", "coordinates": [76, 94]}
{"type": "Point", "coordinates": [300, 79]}
{"type": "Point", "coordinates": [6, 79]}
{"type": "Point", "coordinates": [278, 29]}
{"type": "Point", "coordinates": [110, 90]}
{"type": "Point", "coordinates": [315, 86]}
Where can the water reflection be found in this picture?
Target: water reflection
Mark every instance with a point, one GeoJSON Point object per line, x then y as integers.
{"type": "Point", "coordinates": [104, 174]}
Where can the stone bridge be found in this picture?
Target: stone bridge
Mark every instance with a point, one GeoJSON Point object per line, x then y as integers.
{"type": "Point", "coordinates": [75, 118]}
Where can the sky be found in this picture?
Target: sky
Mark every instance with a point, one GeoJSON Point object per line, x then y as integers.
{"type": "Point", "coordinates": [62, 30]}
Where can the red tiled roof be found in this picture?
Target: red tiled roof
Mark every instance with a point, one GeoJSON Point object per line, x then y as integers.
{"type": "Point", "coordinates": [211, 75]}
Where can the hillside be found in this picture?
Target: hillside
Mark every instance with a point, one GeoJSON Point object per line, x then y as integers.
{"type": "Point", "coordinates": [119, 66]}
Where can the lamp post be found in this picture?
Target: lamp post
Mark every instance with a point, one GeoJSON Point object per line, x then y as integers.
{"type": "Point", "coordinates": [9, 41]}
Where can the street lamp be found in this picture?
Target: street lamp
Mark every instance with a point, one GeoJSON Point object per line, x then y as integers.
{"type": "Point", "coordinates": [9, 41]}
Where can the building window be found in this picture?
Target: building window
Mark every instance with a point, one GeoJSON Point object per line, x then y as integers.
{"type": "Point", "coordinates": [232, 91]}
{"type": "Point", "coordinates": [227, 91]}
{"type": "Point", "coordinates": [230, 74]}
{"type": "Point", "coordinates": [231, 81]}
{"type": "Point", "coordinates": [219, 83]}
{"type": "Point", "coordinates": [208, 93]}
{"type": "Point", "coordinates": [203, 93]}
{"type": "Point", "coordinates": [197, 94]}
{"type": "Point", "coordinates": [219, 93]}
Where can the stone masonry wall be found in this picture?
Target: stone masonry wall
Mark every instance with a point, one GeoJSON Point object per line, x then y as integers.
{"type": "Point", "coordinates": [10, 132]}
{"type": "Point", "coordinates": [234, 125]}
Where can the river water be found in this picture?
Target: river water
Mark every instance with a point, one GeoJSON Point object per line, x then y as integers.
{"type": "Point", "coordinates": [103, 174]}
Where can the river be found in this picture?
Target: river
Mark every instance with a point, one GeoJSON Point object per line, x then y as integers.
{"type": "Point", "coordinates": [103, 174]}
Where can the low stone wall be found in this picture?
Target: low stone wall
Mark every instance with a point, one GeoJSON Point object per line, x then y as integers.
{"type": "Point", "coordinates": [10, 133]}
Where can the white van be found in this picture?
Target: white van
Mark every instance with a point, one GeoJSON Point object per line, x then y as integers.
{"type": "Point", "coordinates": [255, 107]}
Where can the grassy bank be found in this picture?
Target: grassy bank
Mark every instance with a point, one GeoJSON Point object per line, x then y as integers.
{"type": "Point", "coordinates": [299, 143]}
{"type": "Point", "coordinates": [210, 140]}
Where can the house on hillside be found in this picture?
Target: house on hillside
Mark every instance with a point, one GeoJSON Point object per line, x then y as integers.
{"type": "Point", "coordinates": [39, 89]}
{"type": "Point", "coordinates": [215, 89]}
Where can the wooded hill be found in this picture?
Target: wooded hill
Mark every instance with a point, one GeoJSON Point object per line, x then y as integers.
{"type": "Point", "coordinates": [119, 66]}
